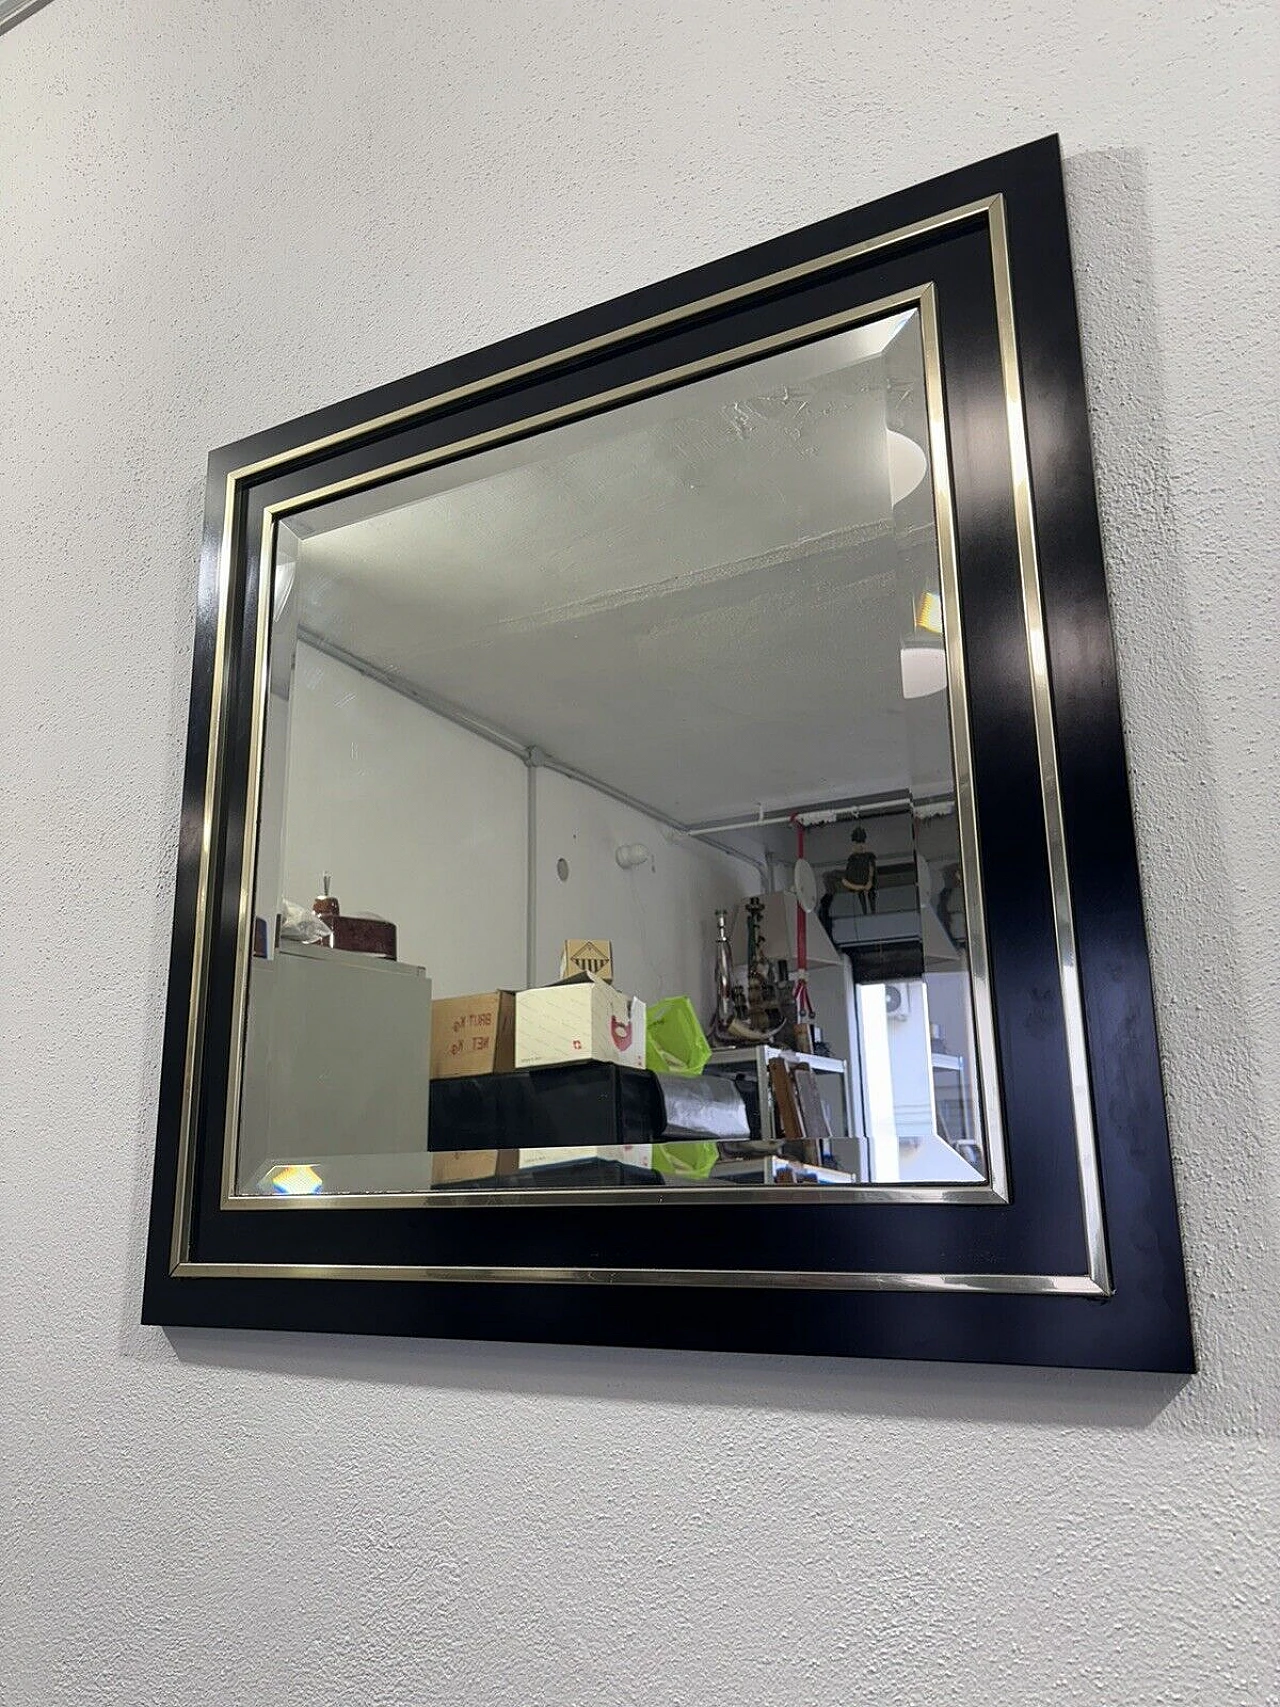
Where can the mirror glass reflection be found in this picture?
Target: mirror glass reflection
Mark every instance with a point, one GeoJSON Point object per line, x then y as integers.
{"type": "Point", "coordinates": [608, 831]}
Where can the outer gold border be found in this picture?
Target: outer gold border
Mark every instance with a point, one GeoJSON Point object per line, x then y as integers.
{"type": "Point", "coordinates": [1046, 744]}
{"type": "Point", "coordinates": [1096, 1280]}
{"type": "Point", "coordinates": [796, 1280]}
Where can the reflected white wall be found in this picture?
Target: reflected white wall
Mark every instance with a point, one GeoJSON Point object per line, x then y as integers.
{"type": "Point", "coordinates": [660, 915]}
{"type": "Point", "coordinates": [426, 823]}
{"type": "Point", "coordinates": [414, 818]}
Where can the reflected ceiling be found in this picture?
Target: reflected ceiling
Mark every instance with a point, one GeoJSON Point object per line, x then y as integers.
{"type": "Point", "coordinates": [699, 599]}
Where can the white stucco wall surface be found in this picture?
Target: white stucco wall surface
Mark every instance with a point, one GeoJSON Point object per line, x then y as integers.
{"type": "Point", "coordinates": [218, 215]}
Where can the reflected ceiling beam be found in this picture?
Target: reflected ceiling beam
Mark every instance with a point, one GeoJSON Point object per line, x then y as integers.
{"type": "Point", "coordinates": [410, 690]}
{"type": "Point", "coordinates": [528, 753]}
{"type": "Point", "coordinates": [830, 811]}
{"type": "Point", "coordinates": [797, 555]}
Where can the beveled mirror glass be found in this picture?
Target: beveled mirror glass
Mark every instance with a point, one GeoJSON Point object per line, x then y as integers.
{"type": "Point", "coordinates": [690, 664]}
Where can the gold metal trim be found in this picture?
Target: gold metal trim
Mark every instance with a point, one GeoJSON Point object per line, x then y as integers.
{"type": "Point", "coordinates": [249, 852]}
{"type": "Point", "coordinates": [607, 340]}
{"type": "Point", "coordinates": [1097, 1280]}
{"type": "Point", "coordinates": [820, 1280]}
{"type": "Point", "coordinates": [193, 1064]}
{"type": "Point", "coordinates": [595, 1197]}
{"type": "Point", "coordinates": [994, 1189]}
{"type": "Point", "coordinates": [962, 756]}
{"type": "Point", "coordinates": [600, 400]}
{"type": "Point", "coordinates": [1046, 746]}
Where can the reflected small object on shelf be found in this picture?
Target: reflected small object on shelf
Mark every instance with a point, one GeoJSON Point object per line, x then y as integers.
{"type": "Point", "coordinates": [587, 954]}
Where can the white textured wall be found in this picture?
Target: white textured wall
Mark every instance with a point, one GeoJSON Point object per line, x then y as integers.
{"type": "Point", "coordinates": [217, 215]}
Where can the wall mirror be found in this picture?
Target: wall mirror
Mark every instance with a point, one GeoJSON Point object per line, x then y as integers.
{"type": "Point", "coordinates": [610, 684]}
{"type": "Point", "coordinates": [657, 864]}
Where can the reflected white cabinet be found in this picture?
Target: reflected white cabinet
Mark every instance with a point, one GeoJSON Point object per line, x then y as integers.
{"type": "Point", "coordinates": [339, 1067]}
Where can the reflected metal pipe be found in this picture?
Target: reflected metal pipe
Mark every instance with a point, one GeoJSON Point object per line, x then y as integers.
{"type": "Point", "coordinates": [531, 755]}
{"type": "Point", "coordinates": [532, 758]}
{"type": "Point", "coordinates": [814, 815]}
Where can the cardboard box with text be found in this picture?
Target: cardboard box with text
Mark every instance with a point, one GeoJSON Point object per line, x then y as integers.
{"type": "Point", "coordinates": [473, 1034]}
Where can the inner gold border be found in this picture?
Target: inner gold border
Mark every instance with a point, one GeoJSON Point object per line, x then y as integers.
{"type": "Point", "coordinates": [993, 1190]}
{"type": "Point", "coordinates": [1096, 1280]}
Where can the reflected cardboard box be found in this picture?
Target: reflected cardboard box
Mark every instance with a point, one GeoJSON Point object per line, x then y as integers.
{"type": "Point", "coordinates": [579, 1019]}
{"type": "Point", "coordinates": [455, 1167]}
{"type": "Point", "coordinates": [585, 954]}
{"type": "Point", "coordinates": [473, 1034]}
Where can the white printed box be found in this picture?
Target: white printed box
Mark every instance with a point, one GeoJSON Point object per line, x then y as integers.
{"type": "Point", "coordinates": [638, 1155]}
{"type": "Point", "coordinates": [581, 1019]}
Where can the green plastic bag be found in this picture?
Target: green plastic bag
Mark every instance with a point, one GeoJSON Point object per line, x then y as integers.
{"type": "Point", "coordinates": [674, 1042]}
{"type": "Point", "coordinates": [690, 1158]}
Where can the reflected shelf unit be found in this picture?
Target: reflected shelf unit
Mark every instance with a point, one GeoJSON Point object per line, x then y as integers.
{"type": "Point", "coordinates": [832, 1075]}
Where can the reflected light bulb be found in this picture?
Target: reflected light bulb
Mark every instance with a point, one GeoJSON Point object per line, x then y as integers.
{"type": "Point", "coordinates": [924, 671]}
{"type": "Point", "coordinates": [907, 466]}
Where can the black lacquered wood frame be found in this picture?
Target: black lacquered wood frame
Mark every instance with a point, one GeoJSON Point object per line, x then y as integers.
{"type": "Point", "coordinates": [1082, 1265]}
